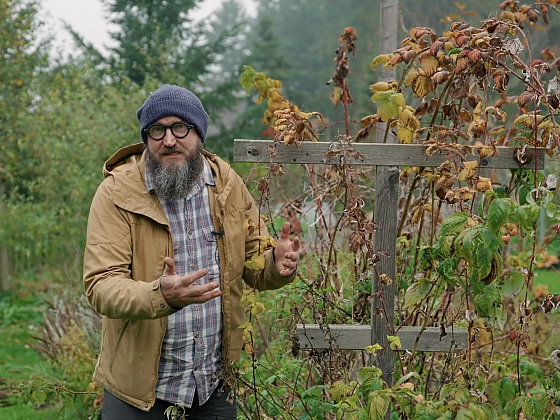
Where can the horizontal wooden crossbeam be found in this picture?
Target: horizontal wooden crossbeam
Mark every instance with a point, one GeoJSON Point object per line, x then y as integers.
{"type": "Point", "coordinates": [378, 154]}
{"type": "Point", "coordinates": [358, 337]}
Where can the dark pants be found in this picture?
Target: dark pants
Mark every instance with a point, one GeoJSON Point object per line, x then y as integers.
{"type": "Point", "coordinates": [216, 408]}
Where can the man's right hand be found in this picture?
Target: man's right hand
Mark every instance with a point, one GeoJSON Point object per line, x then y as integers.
{"type": "Point", "coordinates": [178, 290]}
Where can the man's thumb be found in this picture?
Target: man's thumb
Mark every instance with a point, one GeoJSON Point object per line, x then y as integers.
{"type": "Point", "coordinates": [169, 267]}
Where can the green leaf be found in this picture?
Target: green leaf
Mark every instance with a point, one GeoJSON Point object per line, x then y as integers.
{"type": "Point", "coordinates": [497, 316]}
{"type": "Point", "coordinates": [368, 373]}
{"type": "Point", "coordinates": [513, 284]}
{"type": "Point", "coordinates": [498, 213]}
{"type": "Point", "coordinates": [384, 96]}
{"type": "Point", "coordinates": [374, 348]}
{"type": "Point", "coordinates": [398, 98]}
{"type": "Point", "coordinates": [522, 193]}
{"type": "Point", "coordinates": [40, 397]}
{"type": "Point", "coordinates": [377, 406]}
{"type": "Point", "coordinates": [453, 224]}
{"type": "Point", "coordinates": [551, 210]}
{"type": "Point", "coordinates": [387, 110]}
{"type": "Point", "coordinates": [417, 292]}
{"type": "Point", "coordinates": [247, 78]}
{"type": "Point", "coordinates": [406, 378]}
{"type": "Point", "coordinates": [447, 269]}
{"type": "Point", "coordinates": [482, 305]}
{"type": "Point", "coordinates": [530, 369]}
{"type": "Point", "coordinates": [508, 389]}
{"type": "Point", "coordinates": [533, 408]}
{"type": "Point", "coordinates": [544, 196]}
{"type": "Point", "coordinates": [339, 390]}
{"type": "Point", "coordinates": [527, 215]}
{"type": "Point", "coordinates": [395, 342]}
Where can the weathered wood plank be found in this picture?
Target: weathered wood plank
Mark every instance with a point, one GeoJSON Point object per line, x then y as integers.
{"type": "Point", "coordinates": [379, 154]}
{"type": "Point", "coordinates": [384, 240]}
{"type": "Point", "coordinates": [357, 337]}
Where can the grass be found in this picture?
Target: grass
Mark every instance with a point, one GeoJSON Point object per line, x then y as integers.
{"type": "Point", "coordinates": [550, 278]}
{"type": "Point", "coordinates": [19, 362]}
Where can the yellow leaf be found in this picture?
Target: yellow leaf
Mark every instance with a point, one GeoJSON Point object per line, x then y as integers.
{"type": "Point", "coordinates": [380, 59]}
{"type": "Point", "coordinates": [405, 135]}
{"type": "Point", "coordinates": [398, 98]}
{"type": "Point", "coordinates": [429, 64]}
{"type": "Point", "coordinates": [411, 77]}
{"type": "Point", "coordinates": [422, 86]}
{"type": "Point", "coordinates": [468, 172]}
{"type": "Point", "coordinates": [259, 262]}
{"type": "Point", "coordinates": [380, 87]}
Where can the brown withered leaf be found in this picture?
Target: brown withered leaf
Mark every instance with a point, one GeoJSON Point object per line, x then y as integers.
{"type": "Point", "coordinates": [468, 171]}
{"type": "Point", "coordinates": [487, 151]}
{"type": "Point", "coordinates": [547, 54]}
{"type": "Point", "coordinates": [464, 193]}
{"type": "Point", "coordinates": [462, 63]}
{"type": "Point", "coordinates": [440, 76]}
{"type": "Point", "coordinates": [421, 109]}
{"type": "Point", "coordinates": [500, 115]}
{"type": "Point", "coordinates": [438, 45]}
{"type": "Point", "coordinates": [363, 133]}
{"type": "Point", "coordinates": [429, 64]}
{"type": "Point", "coordinates": [263, 186]}
{"type": "Point", "coordinates": [369, 120]}
{"type": "Point", "coordinates": [276, 169]}
{"type": "Point", "coordinates": [474, 55]}
{"type": "Point", "coordinates": [484, 184]}
{"type": "Point", "coordinates": [465, 115]}
{"type": "Point", "coordinates": [355, 242]}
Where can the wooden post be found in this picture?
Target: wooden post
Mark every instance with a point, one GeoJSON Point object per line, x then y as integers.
{"type": "Point", "coordinates": [385, 211]}
{"type": "Point", "coordinates": [383, 303]}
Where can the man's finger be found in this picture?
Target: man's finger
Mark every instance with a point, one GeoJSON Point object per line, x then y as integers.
{"type": "Point", "coordinates": [295, 244]}
{"type": "Point", "coordinates": [169, 267]}
{"type": "Point", "coordinates": [285, 232]}
{"type": "Point", "coordinates": [198, 291]}
{"type": "Point", "coordinates": [210, 295]}
{"type": "Point", "coordinates": [192, 277]}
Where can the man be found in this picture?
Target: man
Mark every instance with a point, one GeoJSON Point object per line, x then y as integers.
{"type": "Point", "coordinates": [169, 232]}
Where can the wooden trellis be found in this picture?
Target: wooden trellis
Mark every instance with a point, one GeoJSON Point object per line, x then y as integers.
{"type": "Point", "coordinates": [387, 158]}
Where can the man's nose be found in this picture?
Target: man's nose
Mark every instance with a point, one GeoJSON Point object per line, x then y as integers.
{"type": "Point", "coordinates": [169, 139]}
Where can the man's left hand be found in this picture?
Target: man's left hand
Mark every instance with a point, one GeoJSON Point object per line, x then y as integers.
{"type": "Point", "coordinates": [286, 253]}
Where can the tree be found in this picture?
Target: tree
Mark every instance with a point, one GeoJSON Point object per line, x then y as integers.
{"type": "Point", "coordinates": [21, 59]}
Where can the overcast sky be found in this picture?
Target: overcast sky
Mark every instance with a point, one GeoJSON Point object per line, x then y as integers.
{"type": "Point", "coordinates": [87, 17]}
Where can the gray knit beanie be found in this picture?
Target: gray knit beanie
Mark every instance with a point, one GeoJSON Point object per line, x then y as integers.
{"type": "Point", "coordinates": [173, 100]}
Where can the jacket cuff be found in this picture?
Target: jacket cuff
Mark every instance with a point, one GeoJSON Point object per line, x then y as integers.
{"type": "Point", "coordinates": [161, 307]}
{"type": "Point", "coordinates": [273, 272]}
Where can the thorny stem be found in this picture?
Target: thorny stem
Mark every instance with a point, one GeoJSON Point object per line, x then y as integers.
{"type": "Point", "coordinates": [417, 247]}
{"type": "Point", "coordinates": [436, 112]}
{"type": "Point", "coordinates": [408, 201]}
{"type": "Point", "coordinates": [345, 101]}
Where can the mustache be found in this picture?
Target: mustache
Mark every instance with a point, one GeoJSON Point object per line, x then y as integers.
{"type": "Point", "coordinates": [170, 150]}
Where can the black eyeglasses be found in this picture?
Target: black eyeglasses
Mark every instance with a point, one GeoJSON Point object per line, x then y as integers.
{"type": "Point", "coordinates": [158, 131]}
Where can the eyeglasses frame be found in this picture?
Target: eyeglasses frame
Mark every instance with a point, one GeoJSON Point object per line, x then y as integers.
{"type": "Point", "coordinates": [166, 127]}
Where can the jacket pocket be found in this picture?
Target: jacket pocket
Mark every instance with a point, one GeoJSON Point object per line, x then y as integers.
{"type": "Point", "coordinates": [120, 333]}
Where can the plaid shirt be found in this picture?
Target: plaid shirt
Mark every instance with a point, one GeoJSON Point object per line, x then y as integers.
{"type": "Point", "coordinates": [191, 356]}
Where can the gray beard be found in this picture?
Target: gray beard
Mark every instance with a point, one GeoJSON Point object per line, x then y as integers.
{"type": "Point", "coordinates": [172, 182]}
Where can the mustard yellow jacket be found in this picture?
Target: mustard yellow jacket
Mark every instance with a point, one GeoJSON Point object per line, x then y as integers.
{"type": "Point", "coordinates": [128, 236]}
